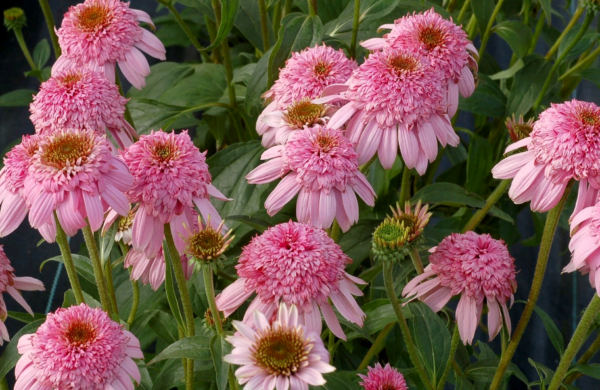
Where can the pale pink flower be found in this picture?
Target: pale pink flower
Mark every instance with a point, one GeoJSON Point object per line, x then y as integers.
{"type": "Point", "coordinates": [296, 264]}
{"type": "Point", "coordinates": [585, 244]}
{"type": "Point", "coordinates": [11, 284]}
{"type": "Point", "coordinates": [78, 348]}
{"type": "Point", "coordinates": [563, 145]}
{"type": "Point", "coordinates": [99, 33]}
{"type": "Point", "coordinates": [443, 43]}
{"type": "Point", "coordinates": [476, 267]}
{"type": "Point", "coordinates": [171, 176]}
{"type": "Point", "coordinates": [74, 173]}
{"type": "Point", "coordinates": [264, 367]}
{"type": "Point", "coordinates": [124, 230]}
{"type": "Point", "coordinates": [78, 99]}
{"type": "Point", "coordinates": [320, 165]}
{"type": "Point", "coordinates": [152, 270]}
{"type": "Point", "coordinates": [395, 100]}
{"type": "Point", "coordinates": [383, 378]}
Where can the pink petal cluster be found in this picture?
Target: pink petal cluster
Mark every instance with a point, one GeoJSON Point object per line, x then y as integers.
{"type": "Point", "coordinates": [152, 270]}
{"type": "Point", "coordinates": [78, 348]}
{"type": "Point", "coordinates": [585, 244]}
{"type": "Point", "coordinates": [383, 378]}
{"type": "Point", "coordinates": [11, 284]}
{"type": "Point", "coordinates": [320, 165]}
{"type": "Point", "coordinates": [99, 33]}
{"type": "Point", "coordinates": [262, 368]}
{"type": "Point", "coordinates": [170, 176]}
{"type": "Point", "coordinates": [476, 267]}
{"type": "Point", "coordinates": [296, 264]}
{"type": "Point", "coordinates": [563, 145]}
{"type": "Point", "coordinates": [81, 98]}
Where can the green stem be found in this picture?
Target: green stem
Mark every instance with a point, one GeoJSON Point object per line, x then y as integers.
{"type": "Point", "coordinates": [580, 335]}
{"type": "Point", "coordinates": [377, 346]}
{"type": "Point", "coordinates": [412, 349]}
{"type": "Point", "coordinates": [471, 29]}
{"type": "Point", "coordinates": [463, 10]}
{"type": "Point", "coordinates": [111, 286]}
{"type": "Point", "coordinates": [451, 6]}
{"type": "Point", "coordinates": [65, 250]}
{"type": "Point", "coordinates": [264, 24]}
{"type": "Point", "coordinates": [312, 7]}
{"type": "Point", "coordinates": [334, 233]}
{"type": "Point", "coordinates": [25, 50]}
{"type": "Point", "coordinates": [127, 114]}
{"type": "Point", "coordinates": [47, 11]}
{"type": "Point", "coordinates": [489, 203]}
{"type": "Point", "coordinates": [488, 29]}
{"type": "Point", "coordinates": [135, 288]}
{"type": "Point", "coordinates": [536, 286]}
{"type": "Point", "coordinates": [276, 22]}
{"type": "Point", "coordinates": [3, 384]}
{"type": "Point", "coordinates": [585, 358]}
{"type": "Point", "coordinates": [453, 348]}
{"type": "Point", "coordinates": [355, 25]}
{"type": "Point", "coordinates": [539, 26]}
{"type": "Point", "coordinates": [331, 344]}
{"type": "Point", "coordinates": [212, 33]}
{"type": "Point", "coordinates": [365, 167]}
{"type": "Point", "coordinates": [90, 242]}
{"type": "Point", "coordinates": [564, 33]}
{"type": "Point", "coordinates": [210, 295]}
{"type": "Point", "coordinates": [581, 64]}
{"type": "Point", "coordinates": [288, 7]}
{"type": "Point", "coordinates": [405, 186]}
{"type": "Point", "coordinates": [416, 259]}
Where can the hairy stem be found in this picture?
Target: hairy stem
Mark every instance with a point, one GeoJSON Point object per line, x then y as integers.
{"type": "Point", "coordinates": [65, 250]}
{"type": "Point", "coordinates": [312, 7]}
{"type": "Point", "coordinates": [453, 348]}
{"type": "Point", "coordinates": [111, 286]}
{"type": "Point", "coordinates": [355, 25]}
{"type": "Point", "coordinates": [47, 11]}
{"type": "Point", "coordinates": [210, 296]}
{"type": "Point", "coordinates": [416, 259]}
{"type": "Point", "coordinates": [377, 346]}
{"type": "Point", "coordinates": [488, 29]}
{"type": "Point", "coordinates": [489, 203]}
{"type": "Point", "coordinates": [405, 186]}
{"type": "Point", "coordinates": [585, 358]}
{"type": "Point", "coordinates": [212, 33]}
{"type": "Point", "coordinates": [564, 33]}
{"type": "Point", "coordinates": [135, 288]}
{"type": "Point", "coordinates": [90, 242]}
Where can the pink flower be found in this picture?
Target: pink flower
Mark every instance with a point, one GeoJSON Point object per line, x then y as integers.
{"type": "Point", "coordinates": [443, 43]}
{"type": "Point", "coordinates": [395, 99]}
{"type": "Point", "coordinates": [563, 145]}
{"type": "Point", "coordinates": [296, 264]}
{"type": "Point", "coordinates": [264, 367]}
{"type": "Point", "coordinates": [585, 244]}
{"type": "Point", "coordinates": [124, 231]}
{"type": "Point", "coordinates": [475, 266]}
{"type": "Point", "coordinates": [152, 270]}
{"type": "Point", "coordinates": [74, 173]}
{"type": "Point", "coordinates": [78, 99]}
{"type": "Point", "coordinates": [11, 284]}
{"type": "Point", "coordinates": [321, 166]}
{"type": "Point", "coordinates": [171, 176]}
{"type": "Point", "coordinates": [78, 348]}
{"type": "Point", "coordinates": [383, 378]}
{"type": "Point", "coordinates": [99, 33]}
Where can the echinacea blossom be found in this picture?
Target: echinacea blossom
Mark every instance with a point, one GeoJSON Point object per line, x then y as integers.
{"type": "Point", "coordinates": [280, 355]}
{"type": "Point", "coordinates": [97, 34]}
{"type": "Point", "coordinates": [81, 98]}
{"type": "Point", "coordinates": [13, 285]}
{"type": "Point", "coordinates": [205, 244]}
{"type": "Point", "coordinates": [124, 224]}
{"type": "Point", "coordinates": [78, 348]}
{"type": "Point", "coordinates": [395, 100]}
{"type": "Point", "coordinates": [171, 176]}
{"type": "Point", "coordinates": [296, 264]}
{"type": "Point", "coordinates": [74, 173]}
{"type": "Point", "coordinates": [476, 267]}
{"type": "Point", "coordinates": [563, 145]}
{"type": "Point", "coordinates": [320, 165]}
{"type": "Point", "coordinates": [151, 270]}
{"type": "Point", "coordinates": [445, 45]}
{"type": "Point", "coordinates": [518, 129]}
{"type": "Point", "coordinates": [383, 378]}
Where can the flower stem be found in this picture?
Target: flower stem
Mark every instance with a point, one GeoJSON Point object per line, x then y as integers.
{"type": "Point", "coordinates": [111, 286]}
{"type": "Point", "coordinates": [586, 357]}
{"type": "Point", "coordinates": [416, 259]}
{"type": "Point", "coordinates": [539, 26]}
{"type": "Point", "coordinates": [210, 296]}
{"type": "Point", "coordinates": [412, 349]}
{"type": "Point", "coordinates": [65, 250]}
{"type": "Point", "coordinates": [3, 384]}
{"type": "Point", "coordinates": [377, 346]}
{"type": "Point", "coordinates": [135, 288]}
{"type": "Point", "coordinates": [47, 11]}
{"type": "Point", "coordinates": [580, 335]}
{"type": "Point", "coordinates": [312, 7]}
{"type": "Point", "coordinates": [463, 10]}
{"type": "Point", "coordinates": [264, 24]}
{"type": "Point", "coordinates": [451, 6]}
{"type": "Point", "coordinates": [488, 29]}
{"type": "Point", "coordinates": [355, 25]}
{"type": "Point", "coordinates": [564, 33]}
{"type": "Point", "coordinates": [453, 348]}
{"type": "Point", "coordinates": [334, 233]}
{"type": "Point", "coordinates": [582, 63]}
{"type": "Point", "coordinates": [212, 33]}
{"type": "Point", "coordinates": [489, 203]}
{"type": "Point", "coordinates": [536, 285]}
{"type": "Point", "coordinates": [405, 186]}
{"type": "Point", "coordinates": [90, 242]}
{"type": "Point", "coordinates": [25, 50]}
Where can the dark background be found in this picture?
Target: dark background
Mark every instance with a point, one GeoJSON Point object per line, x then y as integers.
{"type": "Point", "coordinates": [563, 297]}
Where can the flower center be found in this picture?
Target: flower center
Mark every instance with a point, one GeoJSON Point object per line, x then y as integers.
{"type": "Point", "coordinates": [388, 386]}
{"type": "Point", "coordinates": [93, 18]}
{"type": "Point", "coordinates": [71, 78]}
{"type": "Point", "coordinates": [322, 68]}
{"type": "Point", "coordinates": [391, 233]}
{"type": "Point", "coordinates": [164, 152]}
{"type": "Point", "coordinates": [589, 117]}
{"type": "Point", "coordinates": [281, 351]}
{"type": "Point", "coordinates": [80, 333]}
{"type": "Point", "coordinates": [125, 223]}
{"type": "Point", "coordinates": [325, 143]}
{"type": "Point", "coordinates": [431, 37]}
{"type": "Point", "coordinates": [67, 149]}
{"type": "Point", "coordinates": [205, 244]}
{"type": "Point", "coordinates": [402, 64]}
{"type": "Point", "coordinates": [304, 113]}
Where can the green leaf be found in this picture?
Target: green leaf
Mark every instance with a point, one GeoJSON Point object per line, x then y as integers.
{"type": "Point", "coordinates": [516, 34]}
{"type": "Point", "coordinates": [195, 347]}
{"type": "Point", "coordinates": [552, 330]}
{"type": "Point", "coordinates": [484, 371]}
{"type": "Point", "coordinates": [590, 74]}
{"type": "Point", "coordinates": [584, 43]}
{"type": "Point", "coordinates": [219, 347]}
{"type": "Point", "coordinates": [83, 266]}
{"type": "Point", "coordinates": [69, 300]}
{"type": "Point", "coordinates": [229, 9]}
{"type": "Point", "coordinates": [18, 98]}
{"type": "Point", "coordinates": [380, 313]}
{"type": "Point", "coordinates": [248, 22]}
{"type": "Point", "coordinates": [483, 10]}
{"type": "Point", "coordinates": [356, 243]}
{"type": "Point", "coordinates": [479, 163]}
{"type": "Point", "coordinates": [508, 73]}
{"type": "Point", "coordinates": [107, 241]}
{"type": "Point", "coordinates": [527, 85]}
{"type": "Point", "coordinates": [165, 326]}
{"type": "Point", "coordinates": [11, 355]}
{"type": "Point", "coordinates": [41, 53]}
{"type": "Point", "coordinates": [7, 149]}
{"type": "Point", "coordinates": [257, 83]}
{"type": "Point", "coordinates": [259, 224]}
{"type": "Point", "coordinates": [369, 10]}
{"type": "Point", "coordinates": [170, 289]}
{"type": "Point", "coordinates": [341, 380]}
{"type": "Point", "coordinates": [206, 85]}
{"type": "Point", "coordinates": [547, 7]}
{"type": "Point", "coordinates": [163, 76]}
{"type": "Point", "coordinates": [591, 370]}
{"type": "Point", "coordinates": [26, 317]}
{"type": "Point", "coordinates": [487, 99]}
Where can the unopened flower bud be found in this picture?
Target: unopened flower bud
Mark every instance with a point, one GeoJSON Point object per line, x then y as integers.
{"type": "Point", "coordinates": [14, 18]}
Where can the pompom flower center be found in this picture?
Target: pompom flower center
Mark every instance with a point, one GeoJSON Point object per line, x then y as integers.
{"type": "Point", "coordinates": [69, 79]}
{"type": "Point", "coordinates": [431, 37]}
{"type": "Point", "coordinates": [80, 334]}
{"type": "Point", "coordinates": [67, 149]}
{"type": "Point", "coordinates": [589, 117]}
{"type": "Point", "coordinates": [326, 143]}
{"type": "Point", "coordinates": [93, 18]}
{"type": "Point", "coordinates": [402, 64]}
{"type": "Point", "coordinates": [304, 113]}
{"type": "Point", "coordinates": [281, 351]}
{"type": "Point", "coordinates": [164, 152]}
{"type": "Point", "coordinates": [322, 68]}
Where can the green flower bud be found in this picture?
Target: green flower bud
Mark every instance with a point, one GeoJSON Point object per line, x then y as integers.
{"type": "Point", "coordinates": [14, 18]}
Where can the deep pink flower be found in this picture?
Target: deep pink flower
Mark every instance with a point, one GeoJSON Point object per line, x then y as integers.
{"type": "Point", "coordinates": [296, 264]}
{"type": "Point", "coordinates": [476, 267]}
{"type": "Point", "coordinates": [443, 43]}
{"type": "Point", "coordinates": [74, 173]}
{"type": "Point", "coordinates": [395, 100]}
{"type": "Point", "coordinates": [563, 145]}
{"type": "Point", "coordinates": [78, 348]}
{"type": "Point", "coordinates": [99, 33]}
{"type": "Point", "coordinates": [585, 244]}
{"type": "Point", "coordinates": [152, 270]}
{"type": "Point", "coordinates": [11, 284]}
{"type": "Point", "coordinates": [383, 378]}
{"type": "Point", "coordinates": [171, 176]}
{"type": "Point", "coordinates": [265, 367]}
{"type": "Point", "coordinates": [321, 166]}
{"type": "Point", "coordinates": [78, 99]}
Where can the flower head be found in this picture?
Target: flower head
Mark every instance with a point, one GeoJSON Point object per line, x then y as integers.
{"type": "Point", "coordinates": [78, 347]}
{"type": "Point", "coordinates": [14, 18]}
{"type": "Point", "coordinates": [476, 267]}
{"type": "Point", "coordinates": [151, 270]}
{"type": "Point", "coordinates": [280, 355]}
{"type": "Point", "coordinates": [205, 244]}
{"type": "Point", "coordinates": [296, 264]}
{"type": "Point", "coordinates": [321, 166]}
{"type": "Point", "coordinates": [585, 244]}
{"type": "Point", "coordinates": [519, 129]}
{"type": "Point", "coordinates": [383, 378]}
{"type": "Point", "coordinates": [97, 33]}
{"type": "Point", "coordinates": [78, 99]}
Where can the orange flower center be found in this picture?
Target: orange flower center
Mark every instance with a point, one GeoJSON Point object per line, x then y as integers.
{"type": "Point", "coordinates": [325, 143]}
{"type": "Point", "coordinates": [68, 149]}
{"type": "Point", "coordinates": [93, 18]}
{"type": "Point", "coordinates": [80, 334]}
{"type": "Point", "coordinates": [164, 152]}
{"type": "Point", "coordinates": [304, 113]}
{"type": "Point", "coordinates": [281, 351]}
{"type": "Point", "coordinates": [402, 64]}
{"type": "Point", "coordinates": [431, 37]}
{"type": "Point", "coordinates": [589, 117]}
{"type": "Point", "coordinates": [322, 68]}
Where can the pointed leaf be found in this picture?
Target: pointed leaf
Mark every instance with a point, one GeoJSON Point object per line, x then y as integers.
{"type": "Point", "coordinates": [195, 347]}
{"type": "Point", "coordinates": [219, 347]}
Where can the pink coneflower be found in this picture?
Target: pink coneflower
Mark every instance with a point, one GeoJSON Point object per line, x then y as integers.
{"type": "Point", "coordinates": [78, 348]}
{"type": "Point", "coordinates": [563, 145]}
{"type": "Point", "coordinates": [78, 99]}
{"type": "Point", "coordinates": [443, 43]}
{"type": "Point", "coordinates": [395, 99]}
{"type": "Point", "coordinates": [383, 378]}
{"type": "Point", "coordinates": [74, 173]}
{"type": "Point", "coordinates": [11, 284]}
{"type": "Point", "coordinates": [475, 266]}
{"type": "Point", "coordinates": [585, 244]}
{"type": "Point", "coordinates": [171, 176]}
{"type": "Point", "coordinates": [124, 227]}
{"type": "Point", "coordinates": [206, 244]}
{"type": "Point", "coordinates": [321, 166]}
{"type": "Point", "coordinates": [99, 33]}
{"type": "Point", "coordinates": [296, 264]}
{"type": "Point", "coordinates": [152, 270]}
{"type": "Point", "coordinates": [518, 129]}
{"type": "Point", "coordinates": [282, 355]}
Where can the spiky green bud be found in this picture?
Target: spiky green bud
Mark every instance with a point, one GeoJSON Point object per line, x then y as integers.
{"type": "Point", "coordinates": [14, 18]}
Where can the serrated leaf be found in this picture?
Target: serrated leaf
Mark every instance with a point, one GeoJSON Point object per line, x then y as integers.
{"type": "Point", "coordinates": [11, 355]}
{"type": "Point", "coordinates": [18, 98]}
{"type": "Point", "coordinates": [195, 347]}
{"type": "Point", "coordinates": [229, 9]}
{"type": "Point", "coordinates": [527, 85]}
{"type": "Point", "coordinates": [517, 34]}
{"type": "Point", "coordinates": [219, 347]}
{"type": "Point", "coordinates": [41, 53]}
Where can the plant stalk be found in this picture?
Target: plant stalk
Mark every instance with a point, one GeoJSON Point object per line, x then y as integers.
{"type": "Point", "coordinates": [377, 346]}
{"type": "Point", "coordinates": [488, 29]}
{"type": "Point", "coordinates": [585, 358]}
{"type": "Point", "coordinates": [355, 25]}
{"type": "Point", "coordinates": [25, 50]}
{"type": "Point", "coordinates": [564, 33]}
{"type": "Point", "coordinates": [492, 199]}
{"type": "Point", "coordinates": [264, 24]}
{"type": "Point", "coordinates": [416, 259]}
{"type": "Point", "coordinates": [111, 286]}
{"type": "Point", "coordinates": [90, 242]}
{"type": "Point", "coordinates": [65, 250]}
{"type": "Point", "coordinates": [581, 64]}
{"type": "Point", "coordinates": [539, 26]}
{"type": "Point", "coordinates": [312, 7]}
{"type": "Point", "coordinates": [405, 186]}
{"type": "Point", "coordinates": [453, 348]}
{"type": "Point", "coordinates": [47, 11]}
{"type": "Point", "coordinates": [135, 288]}
{"type": "Point", "coordinates": [463, 10]}
{"type": "Point", "coordinates": [210, 296]}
